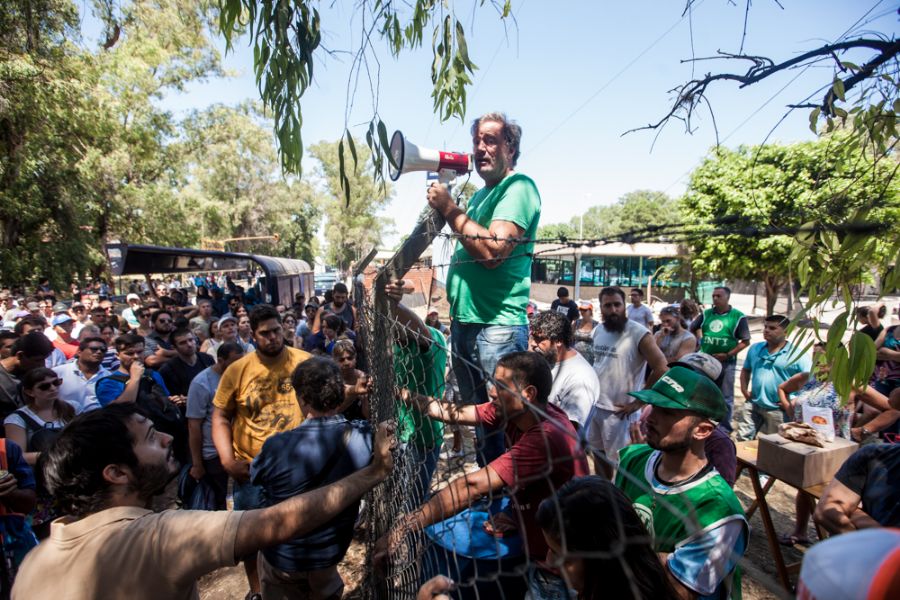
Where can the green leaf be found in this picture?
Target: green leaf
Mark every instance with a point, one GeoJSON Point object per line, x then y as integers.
{"type": "Point", "coordinates": [862, 359]}
{"type": "Point", "coordinates": [838, 88]}
{"type": "Point", "coordinates": [839, 373]}
{"type": "Point", "coordinates": [836, 333]}
{"type": "Point", "coordinates": [385, 144]}
{"type": "Point", "coordinates": [352, 146]}
{"type": "Point", "coordinates": [814, 119]}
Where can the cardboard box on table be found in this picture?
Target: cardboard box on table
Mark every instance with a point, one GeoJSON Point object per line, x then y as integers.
{"type": "Point", "coordinates": [802, 465]}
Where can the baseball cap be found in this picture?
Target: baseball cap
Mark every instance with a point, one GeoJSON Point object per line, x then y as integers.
{"type": "Point", "coordinates": [227, 317]}
{"type": "Point", "coordinates": [59, 307]}
{"type": "Point", "coordinates": [32, 306]}
{"type": "Point", "coordinates": [433, 312]}
{"type": "Point", "coordinates": [586, 304]}
{"type": "Point", "coordinates": [684, 389]}
{"type": "Point", "coordinates": [700, 361]}
{"type": "Point", "coordinates": [131, 297]}
{"type": "Point", "coordinates": [60, 319]}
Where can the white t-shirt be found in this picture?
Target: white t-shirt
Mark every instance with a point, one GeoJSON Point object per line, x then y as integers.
{"type": "Point", "coordinates": [619, 364]}
{"type": "Point", "coordinates": [15, 419]}
{"type": "Point", "coordinates": [575, 388]}
{"type": "Point", "coordinates": [640, 314]}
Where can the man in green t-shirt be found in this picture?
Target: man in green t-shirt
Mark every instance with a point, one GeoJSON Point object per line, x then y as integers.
{"type": "Point", "coordinates": [697, 524]}
{"type": "Point", "coordinates": [420, 364]}
{"type": "Point", "coordinates": [490, 273]}
{"type": "Point", "coordinates": [723, 332]}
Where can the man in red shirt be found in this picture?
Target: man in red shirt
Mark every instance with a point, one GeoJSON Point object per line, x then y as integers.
{"type": "Point", "coordinates": [63, 325]}
{"type": "Point", "coordinates": [542, 453]}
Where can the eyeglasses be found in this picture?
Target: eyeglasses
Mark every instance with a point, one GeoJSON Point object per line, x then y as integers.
{"type": "Point", "coordinates": [96, 348]}
{"type": "Point", "coordinates": [48, 384]}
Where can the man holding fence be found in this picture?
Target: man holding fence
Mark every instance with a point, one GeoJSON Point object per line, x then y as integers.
{"type": "Point", "coordinates": [490, 273]}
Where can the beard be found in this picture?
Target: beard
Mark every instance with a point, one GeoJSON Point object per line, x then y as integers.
{"type": "Point", "coordinates": [657, 443]}
{"type": "Point", "coordinates": [153, 479]}
{"type": "Point", "coordinates": [271, 351]}
{"type": "Point", "coordinates": [615, 323]}
{"type": "Point", "coordinates": [549, 356]}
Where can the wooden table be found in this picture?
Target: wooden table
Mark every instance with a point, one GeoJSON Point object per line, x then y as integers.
{"type": "Point", "coordinates": [746, 460]}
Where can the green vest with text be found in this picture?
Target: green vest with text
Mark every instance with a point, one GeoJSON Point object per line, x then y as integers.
{"type": "Point", "coordinates": [718, 331]}
{"type": "Point", "coordinates": [681, 514]}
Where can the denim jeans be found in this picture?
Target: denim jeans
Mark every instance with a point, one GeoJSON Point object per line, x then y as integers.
{"type": "Point", "coordinates": [424, 462]}
{"type": "Point", "coordinates": [726, 384]}
{"type": "Point", "coordinates": [476, 349]}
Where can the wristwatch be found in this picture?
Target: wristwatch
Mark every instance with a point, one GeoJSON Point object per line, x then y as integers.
{"type": "Point", "coordinates": [865, 431]}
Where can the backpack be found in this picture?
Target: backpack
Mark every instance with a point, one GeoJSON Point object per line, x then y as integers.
{"type": "Point", "coordinates": [42, 437]}
{"type": "Point", "coordinates": [155, 404]}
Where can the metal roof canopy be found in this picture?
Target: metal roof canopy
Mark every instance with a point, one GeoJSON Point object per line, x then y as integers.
{"type": "Point", "coordinates": [137, 259]}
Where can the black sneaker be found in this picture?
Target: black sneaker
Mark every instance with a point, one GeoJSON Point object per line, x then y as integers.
{"type": "Point", "coordinates": [252, 596]}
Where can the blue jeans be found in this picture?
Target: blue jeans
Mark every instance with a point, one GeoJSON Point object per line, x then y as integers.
{"type": "Point", "coordinates": [726, 384]}
{"type": "Point", "coordinates": [476, 349]}
{"type": "Point", "coordinates": [247, 496]}
{"type": "Point", "coordinates": [425, 463]}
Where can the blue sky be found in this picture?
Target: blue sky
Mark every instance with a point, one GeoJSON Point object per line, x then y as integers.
{"type": "Point", "coordinates": [576, 75]}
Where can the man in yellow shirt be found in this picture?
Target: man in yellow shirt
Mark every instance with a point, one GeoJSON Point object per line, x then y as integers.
{"type": "Point", "coordinates": [254, 401]}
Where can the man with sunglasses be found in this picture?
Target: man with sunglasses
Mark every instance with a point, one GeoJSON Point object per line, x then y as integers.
{"type": "Point", "coordinates": [80, 314]}
{"type": "Point", "coordinates": [80, 376]}
{"type": "Point", "coordinates": [768, 364]}
{"type": "Point", "coordinates": [143, 318]}
{"type": "Point", "coordinates": [158, 346]}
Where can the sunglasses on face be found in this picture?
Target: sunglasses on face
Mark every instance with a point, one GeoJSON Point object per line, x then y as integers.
{"type": "Point", "coordinates": [48, 384]}
{"type": "Point", "coordinates": [96, 348]}
{"type": "Point", "coordinates": [163, 321]}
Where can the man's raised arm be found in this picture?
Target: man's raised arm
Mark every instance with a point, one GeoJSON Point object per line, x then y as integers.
{"type": "Point", "coordinates": [305, 512]}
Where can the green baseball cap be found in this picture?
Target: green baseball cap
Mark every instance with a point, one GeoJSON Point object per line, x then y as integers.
{"type": "Point", "coordinates": [684, 389]}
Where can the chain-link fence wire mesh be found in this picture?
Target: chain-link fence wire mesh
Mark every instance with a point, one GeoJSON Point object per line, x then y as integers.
{"type": "Point", "coordinates": [399, 356]}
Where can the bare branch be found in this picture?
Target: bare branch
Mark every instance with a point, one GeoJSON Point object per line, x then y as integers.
{"type": "Point", "coordinates": [692, 93]}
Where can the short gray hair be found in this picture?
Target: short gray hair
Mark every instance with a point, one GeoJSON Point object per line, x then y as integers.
{"type": "Point", "coordinates": [512, 132]}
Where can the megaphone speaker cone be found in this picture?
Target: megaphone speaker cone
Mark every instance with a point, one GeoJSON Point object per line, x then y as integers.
{"type": "Point", "coordinates": [398, 152]}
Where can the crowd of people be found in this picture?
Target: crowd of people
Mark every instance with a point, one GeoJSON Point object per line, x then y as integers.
{"type": "Point", "coordinates": [604, 453]}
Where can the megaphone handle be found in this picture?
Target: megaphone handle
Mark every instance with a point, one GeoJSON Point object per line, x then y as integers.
{"type": "Point", "coordinates": [445, 176]}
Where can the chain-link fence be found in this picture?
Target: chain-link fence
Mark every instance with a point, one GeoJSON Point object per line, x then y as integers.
{"type": "Point", "coordinates": [512, 530]}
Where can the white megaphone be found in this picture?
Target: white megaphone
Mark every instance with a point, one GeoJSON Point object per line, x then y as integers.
{"type": "Point", "coordinates": [408, 157]}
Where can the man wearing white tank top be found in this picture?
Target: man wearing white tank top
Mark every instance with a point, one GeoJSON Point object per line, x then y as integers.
{"type": "Point", "coordinates": [622, 351]}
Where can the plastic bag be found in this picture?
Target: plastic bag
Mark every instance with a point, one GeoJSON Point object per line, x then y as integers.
{"type": "Point", "coordinates": [821, 419]}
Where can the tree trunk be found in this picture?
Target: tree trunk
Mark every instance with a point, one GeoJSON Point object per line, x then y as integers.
{"type": "Point", "coordinates": [772, 284]}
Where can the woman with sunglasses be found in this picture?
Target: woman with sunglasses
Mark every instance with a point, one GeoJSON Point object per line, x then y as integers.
{"type": "Point", "coordinates": [35, 427]}
{"type": "Point", "coordinates": [583, 332]}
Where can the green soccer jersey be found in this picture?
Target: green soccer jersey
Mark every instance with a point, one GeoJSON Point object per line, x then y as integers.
{"type": "Point", "coordinates": [422, 372]}
{"type": "Point", "coordinates": [719, 331]}
{"type": "Point", "coordinates": [496, 296]}
{"type": "Point", "coordinates": [677, 514]}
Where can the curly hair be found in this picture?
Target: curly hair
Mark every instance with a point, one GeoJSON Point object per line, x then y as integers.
{"type": "Point", "coordinates": [319, 383]}
{"type": "Point", "coordinates": [553, 326]}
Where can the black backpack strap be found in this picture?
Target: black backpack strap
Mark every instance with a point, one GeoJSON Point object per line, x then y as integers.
{"type": "Point", "coordinates": [29, 422]}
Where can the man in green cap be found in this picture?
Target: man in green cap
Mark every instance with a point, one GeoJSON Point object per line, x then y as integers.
{"type": "Point", "coordinates": [696, 522]}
